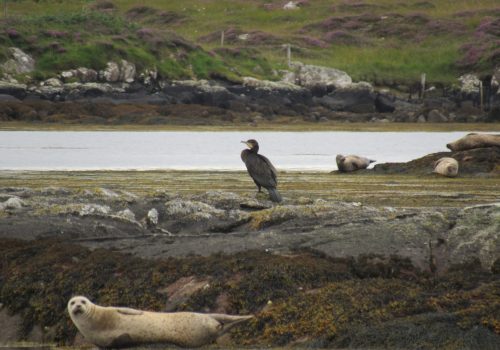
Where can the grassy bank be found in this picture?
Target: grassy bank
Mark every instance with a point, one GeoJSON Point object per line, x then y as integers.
{"type": "Point", "coordinates": [263, 126]}
{"type": "Point", "coordinates": [376, 190]}
{"type": "Point", "coordinates": [387, 42]}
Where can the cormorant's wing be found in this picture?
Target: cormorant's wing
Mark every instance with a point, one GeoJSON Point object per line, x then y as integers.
{"type": "Point", "coordinates": [261, 170]}
{"type": "Point", "coordinates": [271, 166]}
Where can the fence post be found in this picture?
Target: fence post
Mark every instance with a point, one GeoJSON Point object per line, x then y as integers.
{"type": "Point", "coordinates": [422, 86]}
{"type": "Point", "coordinates": [481, 95]}
{"type": "Point", "coordinates": [289, 55]}
{"type": "Point", "coordinates": [222, 38]}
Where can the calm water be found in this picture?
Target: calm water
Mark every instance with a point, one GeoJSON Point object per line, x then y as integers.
{"type": "Point", "coordinates": [68, 150]}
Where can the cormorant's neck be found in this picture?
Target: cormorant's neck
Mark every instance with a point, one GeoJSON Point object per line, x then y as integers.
{"type": "Point", "coordinates": [254, 149]}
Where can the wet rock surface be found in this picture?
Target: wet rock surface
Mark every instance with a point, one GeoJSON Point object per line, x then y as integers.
{"type": "Point", "coordinates": [224, 222]}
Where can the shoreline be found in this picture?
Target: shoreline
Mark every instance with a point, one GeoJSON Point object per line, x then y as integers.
{"type": "Point", "coordinates": [261, 127]}
{"type": "Point", "coordinates": [367, 188]}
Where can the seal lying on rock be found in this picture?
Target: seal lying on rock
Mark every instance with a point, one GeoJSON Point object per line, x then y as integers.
{"type": "Point", "coordinates": [351, 162]}
{"type": "Point", "coordinates": [123, 327]}
{"type": "Point", "coordinates": [474, 140]}
{"type": "Point", "coordinates": [446, 166]}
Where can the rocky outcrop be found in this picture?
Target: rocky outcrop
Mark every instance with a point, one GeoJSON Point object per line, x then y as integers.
{"type": "Point", "coordinates": [356, 98]}
{"type": "Point", "coordinates": [469, 83]}
{"type": "Point", "coordinates": [474, 161]}
{"type": "Point", "coordinates": [224, 222]}
{"type": "Point", "coordinates": [111, 73]}
{"type": "Point", "coordinates": [311, 76]}
{"type": "Point", "coordinates": [18, 63]}
{"type": "Point", "coordinates": [270, 85]}
{"type": "Point", "coordinates": [13, 89]}
{"type": "Point", "coordinates": [114, 72]}
{"type": "Point", "coordinates": [127, 71]}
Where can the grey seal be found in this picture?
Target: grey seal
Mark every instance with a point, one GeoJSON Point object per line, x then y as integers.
{"type": "Point", "coordinates": [446, 166]}
{"type": "Point", "coordinates": [352, 162]}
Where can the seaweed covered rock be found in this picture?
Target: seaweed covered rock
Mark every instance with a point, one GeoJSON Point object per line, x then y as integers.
{"type": "Point", "coordinates": [302, 297]}
{"type": "Point", "coordinates": [472, 162]}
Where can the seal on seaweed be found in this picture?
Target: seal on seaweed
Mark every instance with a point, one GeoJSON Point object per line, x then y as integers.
{"type": "Point", "coordinates": [122, 327]}
{"type": "Point", "coordinates": [352, 162]}
{"type": "Point", "coordinates": [474, 140]}
{"type": "Point", "coordinates": [446, 166]}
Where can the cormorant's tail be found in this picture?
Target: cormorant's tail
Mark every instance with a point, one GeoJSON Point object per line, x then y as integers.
{"type": "Point", "coordinates": [275, 195]}
{"type": "Point", "coordinates": [229, 321]}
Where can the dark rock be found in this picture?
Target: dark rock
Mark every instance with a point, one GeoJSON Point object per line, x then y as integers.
{"type": "Point", "coordinates": [436, 116]}
{"type": "Point", "coordinates": [417, 332]}
{"type": "Point", "coordinates": [356, 99]}
{"type": "Point", "coordinates": [12, 89]}
{"type": "Point", "coordinates": [384, 103]}
{"type": "Point", "coordinates": [474, 161]}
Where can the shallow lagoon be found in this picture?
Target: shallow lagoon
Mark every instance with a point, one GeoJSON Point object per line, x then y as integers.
{"type": "Point", "coordinates": [182, 150]}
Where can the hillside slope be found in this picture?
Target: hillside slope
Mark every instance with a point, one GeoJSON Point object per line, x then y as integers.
{"type": "Point", "coordinates": [385, 42]}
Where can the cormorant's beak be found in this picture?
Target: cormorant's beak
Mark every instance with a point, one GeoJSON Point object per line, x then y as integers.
{"type": "Point", "coordinates": [246, 143]}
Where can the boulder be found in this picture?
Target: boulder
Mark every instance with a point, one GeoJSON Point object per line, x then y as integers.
{"type": "Point", "coordinates": [19, 63]}
{"type": "Point", "coordinates": [291, 5]}
{"type": "Point", "coordinates": [78, 90]}
{"type": "Point", "coordinates": [12, 203]}
{"type": "Point", "coordinates": [14, 89]}
{"type": "Point", "coordinates": [200, 92]}
{"type": "Point", "coordinates": [469, 83]}
{"type": "Point", "coordinates": [384, 103]}
{"type": "Point", "coordinates": [126, 214]}
{"type": "Point", "coordinates": [494, 113]}
{"type": "Point", "coordinates": [67, 75]}
{"type": "Point", "coordinates": [495, 80]}
{"type": "Point", "coordinates": [356, 98]}
{"type": "Point", "coordinates": [435, 116]}
{"type": "Point", "coordinates": [270, 85]}
{"type": "Point", "coordinates": [111, 73]}
{"type": "Point", "coordinates": [86, 75]}
{"type": "Point", "coordinates": [152, 218]}
{"type": "Point", "coordinates": [52, 82]}
{"type": "Point", "coordinates": [311, 76]}
{"type": "Point", "coordinates": [127, 72]}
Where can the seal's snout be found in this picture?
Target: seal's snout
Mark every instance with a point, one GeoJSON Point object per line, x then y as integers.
{"type": "Point", "coordinates": [448, 145]}
{"type": "Point", "coordinates": [78, 309]}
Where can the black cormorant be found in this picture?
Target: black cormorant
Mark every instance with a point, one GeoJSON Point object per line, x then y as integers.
{"type": "Point", "coordinates": [260, 169]}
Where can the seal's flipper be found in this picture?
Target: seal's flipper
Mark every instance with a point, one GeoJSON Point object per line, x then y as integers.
{"type": "Point", "coordinates": [229, 321]}
{"type": "Point", "coordinates": [122, 341]}
{"type": "Point", "coordinates": [128, 311]}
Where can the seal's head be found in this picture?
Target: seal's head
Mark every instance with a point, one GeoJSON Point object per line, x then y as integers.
{"type": "Point", "coordinates": [79, 305]}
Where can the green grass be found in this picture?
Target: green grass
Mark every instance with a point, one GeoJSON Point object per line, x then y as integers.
{"type": "Point", "coordinates": [393, 58]}
{"type": "Point", "coordinates": [90, 56]}
{"type": "Point", "coordinates": [372, 63]}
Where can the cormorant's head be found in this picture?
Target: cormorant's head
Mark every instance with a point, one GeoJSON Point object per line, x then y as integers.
{"type": "Point", "coordinates": [252, 144]}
